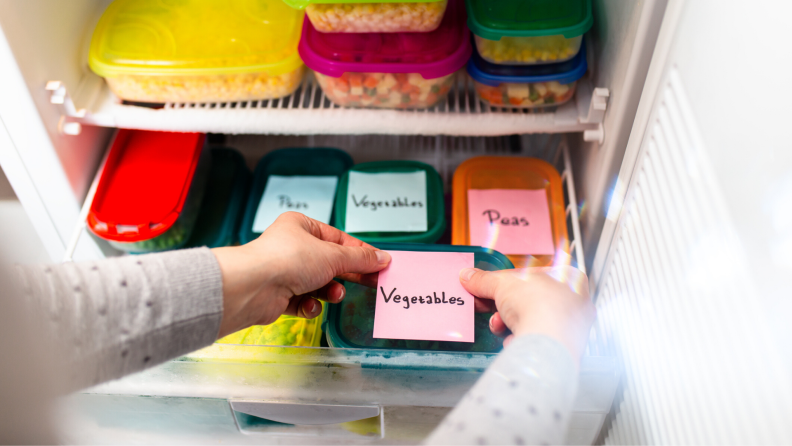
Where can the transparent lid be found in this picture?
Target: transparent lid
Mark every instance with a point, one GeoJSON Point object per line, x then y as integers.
{"type": "Point", "coordinates": [432, 55]}
{"type": "Point", "coordinates": [529, 18]}
{"type": "Point", "coordinates": [301, 4]}
{"type": "Point", "coordinates": [196, 37]}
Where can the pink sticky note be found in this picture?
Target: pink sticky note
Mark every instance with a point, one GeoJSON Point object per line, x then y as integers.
{"type": "Point", "coordinates": [419, 297]}
{"type": "Point", "coordinates": [511, 221]}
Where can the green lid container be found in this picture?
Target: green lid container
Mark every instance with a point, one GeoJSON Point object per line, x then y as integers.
{"type": "Point", "coordinates": [529, 18]}
{"type": "Point", "coordinates": [350, 324]}
{"type": "Point", "coordinates": [322, 161]}
{"type": "Point", "coordinates": [223, 201]}
{"type": "Point", "coordinates": [434, 199]}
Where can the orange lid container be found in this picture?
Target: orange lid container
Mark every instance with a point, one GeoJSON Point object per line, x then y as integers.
{"type": "Point", "coordinates": [490, 172]}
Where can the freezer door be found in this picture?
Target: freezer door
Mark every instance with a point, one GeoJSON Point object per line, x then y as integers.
{"type": "Point", "coordinates": [692, 274]}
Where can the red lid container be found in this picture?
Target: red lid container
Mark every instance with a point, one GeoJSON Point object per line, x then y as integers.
{"type": "Point", "coordinates": [150, 186]}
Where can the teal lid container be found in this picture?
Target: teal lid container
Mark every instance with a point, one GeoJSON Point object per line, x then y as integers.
{"type": "Point", "coordinates": [350, 324]}
{"type": "Point", "coordinates": [434, 203]}
{"type": "Point", "coordinates": [223, 201]}
{"type": "Point", "coordinates": [322, 161]}
{"type": "Point", "coordinates": [523, 32]}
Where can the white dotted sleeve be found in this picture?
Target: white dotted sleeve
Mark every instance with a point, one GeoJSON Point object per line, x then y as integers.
{"type": "Point", "coordinates": [524, 397]}
{"type": "Point", "coordinates": [114, 317]}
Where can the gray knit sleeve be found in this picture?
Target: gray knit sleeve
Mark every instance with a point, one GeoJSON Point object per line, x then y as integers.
{"type": "Point", "coordinates": [524, 397]}
{"type": "Point", "coordinates": [117, 316]}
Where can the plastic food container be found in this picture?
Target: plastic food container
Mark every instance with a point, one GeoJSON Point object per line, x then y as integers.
{"type": "Point", "coordinates": [526, 86]}
{"type": "Point", "coordinates": [287, 162]}
{"type": "Point", "coordinates": [489, 172]}
{"type": "Point", "coordinates": [224, 201]}
{"type": "Point", "coordinates": [515, 32]}
{"type": "Point", "coordinates": [356, 16]}
{"type": "Point", "coordinates": [396, 70]}
{"type": "Point", "coordinates": [198, 50]}
{"type": "Point", "coordinates": [434, 198]}
{"type": "Point", "coordinates": [288, 331]}
{"type": "Point", "coordinates": [150, 190]}
{"type": "Point", "coordinates": [350, 324]}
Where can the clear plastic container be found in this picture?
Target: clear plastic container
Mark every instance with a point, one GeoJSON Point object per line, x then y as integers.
{"type": "Point", "coordinates": [150, 190]}
{"type": "Point", "coordinates": [389, 70]}
{"type": "Point", "coordinates": [526, 86]}
{"type": "Point", "coordinates": [287, 331]}
{"type": "Point", "coordinates": [198, 50]}
{"type": "Point", "coordinates": [490, 172]}
{"type": "Point", "coordinates": [364, 16]}
{"type": "Point", "coordinates": [511, 32]}
{"type": "Point", "coordinates": [350, 324]}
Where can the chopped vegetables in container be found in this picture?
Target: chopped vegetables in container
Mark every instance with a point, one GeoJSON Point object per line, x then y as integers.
{"type": "Point", "coordinates": [198, 50]}
{"type": "Point", "coordinates": [288, 331]}
{"type": "Point", "coordinates": [518, 32]}
{"type": "Point", "coordinates": [490, 172]}
{"type": "Point", "coordinates": [364, 16]}
{"type": "Point", "coordinates": [526, 86]}
{"type": "Point", "coordinates": [350, 324]}
{"type": "Point", "coordinates": [389, 70]}
{"type": "Point", "coordinates": [150, 190]}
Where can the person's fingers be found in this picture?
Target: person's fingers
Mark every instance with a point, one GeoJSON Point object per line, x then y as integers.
{"type": "Point", "coordinates": [303, 306]}
{"type": "Point", "coordinates": [482, 284]}
{"type": "Point", "coordinates": [496, 325]}
{"type": "Point", "coordinates": [358, 259]}
{"type": "Point", "coordinates": [507, 340]}
{"type": "Point", "coordinates": [333, 292]}
{"type": "Point", "coordinates": [328, 233]}
{"type": "Point", "coordinates": [369, 280]}
{"type": "Point", "coordinates": [484, 305]}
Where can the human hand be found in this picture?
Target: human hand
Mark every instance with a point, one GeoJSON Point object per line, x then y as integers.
{"type": "Point", "coordinates": [288, 267]}
{"type": "Point", "coordinates": [550, 301]}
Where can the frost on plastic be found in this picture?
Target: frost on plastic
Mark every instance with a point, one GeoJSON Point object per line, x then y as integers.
{"type": "Point", "coordinates": [376, 17]}
{"type": "Point", "coordinates": [539, 94]}
{"type": "Point", "coordinates": [385, 90]}
{"type": "Point", "coordinates": [528, 50]}
{"type": "Point", "coordinates": [210, 88]}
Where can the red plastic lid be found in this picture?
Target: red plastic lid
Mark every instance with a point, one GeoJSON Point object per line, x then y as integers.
{"type": "Point", "coordinates": [432, 55]}
{"type": "Point", "coordinates": [144, 184]}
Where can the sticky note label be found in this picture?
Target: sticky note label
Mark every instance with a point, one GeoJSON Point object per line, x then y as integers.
{"type": "Point", "coordinates": [386, 202]}
{"type": "Point", "coordinates": [309, 195]}
{"type": "Point", "coordinates": [510, 221]}
{"type": "Point", "coordinates": [419, 297]}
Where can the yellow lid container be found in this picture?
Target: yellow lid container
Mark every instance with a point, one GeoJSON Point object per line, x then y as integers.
{"type": "Point", "coordinates": [198, 50]}
{"type": "Point", "coordinates": [288, 331]}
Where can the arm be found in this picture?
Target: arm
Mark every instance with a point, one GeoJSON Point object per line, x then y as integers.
{"type": "Point", "coordinates": [526, 395]}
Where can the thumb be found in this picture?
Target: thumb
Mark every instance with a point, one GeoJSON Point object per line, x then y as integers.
{"type": "Point", "coordinates": [482, 284]}
{"type": "Point", "coordinates": [360, 260]}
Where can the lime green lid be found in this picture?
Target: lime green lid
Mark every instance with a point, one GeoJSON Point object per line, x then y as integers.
{"type": "Point", "coordinates": [301, 4]}
{"type": "Point", "coordinates": [529, 18]}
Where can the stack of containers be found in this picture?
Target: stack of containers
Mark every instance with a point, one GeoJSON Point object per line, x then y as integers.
{"type": "Point", "coordinates": [198, 50]}
{"type": "Point", "coordinates": [528, 54]}
{"type": "Point", "coordinates": [403, 58]}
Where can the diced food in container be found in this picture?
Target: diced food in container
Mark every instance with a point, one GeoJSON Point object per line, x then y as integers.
{"type": "Point", "coordinates": [288, 331]}
{"type": "Point", "coordinates": [350, 324]}
{"type": "Point", "coordinates": [385, 17]}
{"type": "Point", "coordinates": [198, 50]}
{"type": "Point", "coordinates": [150, 190]}
{"type": "Point", "coordinates": [389, 70]}
{"type": "Point", "coordinates": [290, 162]}
{"type": "Point", "coordinates": [224, 200]}
{"type": "Point", "coordinates": [511, 32]}
{"type": "Point", "coordinates": [511, 173]}
{"type": "Point", "coordinates": [526, 86]}
{"type": "Point", "coordinates": [385, 208]}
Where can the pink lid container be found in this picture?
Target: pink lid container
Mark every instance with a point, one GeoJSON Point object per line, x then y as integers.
{"type": "Point", "coordinates": [432, 55]}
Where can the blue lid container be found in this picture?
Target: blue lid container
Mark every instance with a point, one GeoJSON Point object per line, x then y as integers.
{"type": "Point", "coordinates": [526, 86]}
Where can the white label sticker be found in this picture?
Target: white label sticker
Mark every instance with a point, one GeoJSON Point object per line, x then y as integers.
{"type": "Point", "coordinates": [309, 195]}
{"type": "Point", "coordinates": [386, 202]}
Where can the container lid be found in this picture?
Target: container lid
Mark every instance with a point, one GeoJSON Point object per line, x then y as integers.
{"type": "Point", "coordinates": [223, 200]}
{"type": "Point", "coordinates": [196, 37]}
{"type": "Point", "coordinates": [502, 172]}
{"type": "Point", "coordinates": [350, 324]}
{"type": "Point", "coordinates": [494, 74]}
{"type": "Point", "coordinates": [432, 55]}
{"type": "Point", "coordinates": [144, 184]}
{"type": "Point", "coordinates": [529, 18]}
{"type": "Point", "coordinates": [323, 161]}
{"type": "Point", "coordinates": [435, 204]}
{"type": "Point", "coordinates": [301, 4]}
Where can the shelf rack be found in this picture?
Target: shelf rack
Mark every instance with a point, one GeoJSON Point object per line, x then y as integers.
{"type": "Point", "coordinates": [308, 111]}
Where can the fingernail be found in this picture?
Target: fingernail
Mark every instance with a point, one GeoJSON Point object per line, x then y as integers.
{"type": "Point", "coordinates": [382, 257]}
{"type": "Point", "coordinates": [466, 274]}
{"type": "Point", "coordinates": [341, 294]}
{"type": "Point", "coordinates": [312, 305]}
